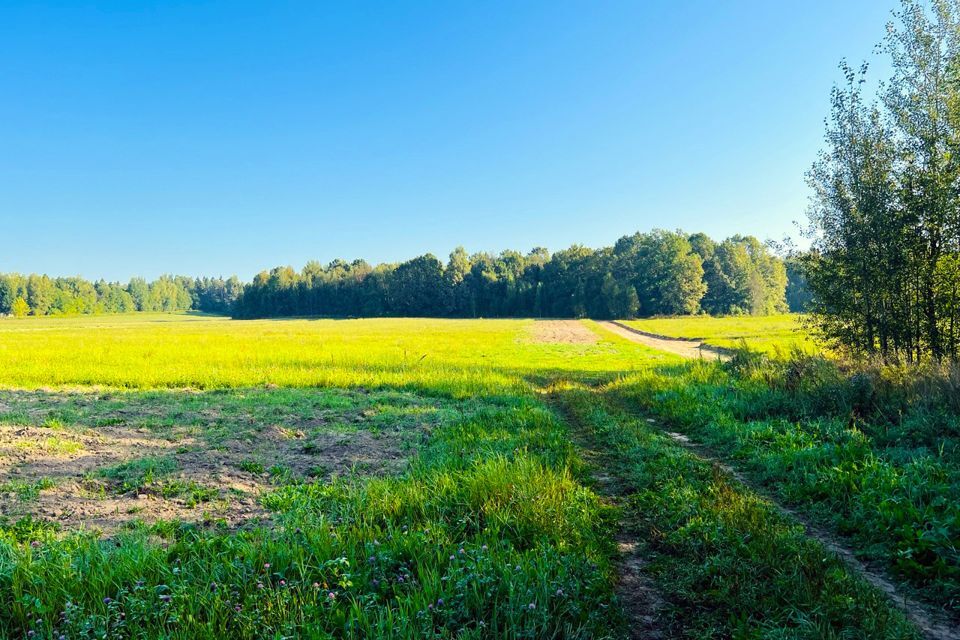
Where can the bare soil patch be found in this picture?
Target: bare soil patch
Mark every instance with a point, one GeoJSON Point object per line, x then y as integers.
{"type": "Point", "coordinates": [561, 332]}
{"type": "Point", "coordinates": [638, 594]}
{"type": "Point", "coordinates": [67, 474]}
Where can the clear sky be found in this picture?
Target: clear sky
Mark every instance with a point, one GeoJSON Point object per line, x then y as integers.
{"type": "Point", "coordinates": [210, 138]}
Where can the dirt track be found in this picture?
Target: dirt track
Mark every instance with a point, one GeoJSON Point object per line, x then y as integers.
{"type": "Point", "coordinates": [683, 348]}
{"type": "Point", "coordinates": [933, 623]}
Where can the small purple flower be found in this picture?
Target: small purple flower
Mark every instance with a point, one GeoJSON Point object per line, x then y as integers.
{"type": "Point", "coordinates": [439, 602]}
{"type": "Point", "coordinates": [107, 601]}
{"type": "Point", "coordinates": [35, 544]}
{"type": "Point", "coordinates": [531, 606]}
{"type": "Point", "coordinates": [213, 586]}
{"type": "Point", "coordinates": [165, 598]}
{"type": "Point", "coordinates": [283, 583]}
{"type": "Point", "coordinates": [484, 547]}
{"type": "Point", "coordinates": [266, 565]}
{"type": "Point", "coordinates": [259, 585]}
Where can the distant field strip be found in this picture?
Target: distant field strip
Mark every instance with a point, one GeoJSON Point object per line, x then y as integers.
{"type": "Point", "coordinates": [778, 334]}
{"type": "Point", "coordinates": [454, 357]}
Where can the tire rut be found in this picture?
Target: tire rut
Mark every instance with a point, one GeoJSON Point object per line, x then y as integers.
{"type": "Point", "coordinates": [639, 598]}
{"type": "Point", "coordinates": [933, 625]}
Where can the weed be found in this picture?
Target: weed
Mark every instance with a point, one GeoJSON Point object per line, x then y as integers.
{"type": "Point", "coordinates": [137, 474]}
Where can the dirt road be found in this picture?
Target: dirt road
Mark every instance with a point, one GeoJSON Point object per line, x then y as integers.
{"type": "Point", "coordinates": [683, 348]}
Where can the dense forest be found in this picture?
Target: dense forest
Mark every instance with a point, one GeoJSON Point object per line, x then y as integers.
{"type": "Point", "coordinates": [656, 273]}
{"type": "Point", "coordinates": [42, 295]}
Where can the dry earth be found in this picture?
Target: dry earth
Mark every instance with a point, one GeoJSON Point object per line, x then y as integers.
{"type": "Point", "coordinates": [62, 474]}
{"type": "Point", "coordinates": [561, 332]}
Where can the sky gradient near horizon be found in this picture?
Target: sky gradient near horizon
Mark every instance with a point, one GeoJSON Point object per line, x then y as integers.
{"type": "Point", "coordinates": [218, 138]}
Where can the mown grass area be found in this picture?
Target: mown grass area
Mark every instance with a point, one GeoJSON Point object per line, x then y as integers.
{"type": "Point", "coordinates": [872, 453]}
{"type": "Point", "coordinates": [773, 335]}
{"type": "Point", "coordinates": [490, 528]}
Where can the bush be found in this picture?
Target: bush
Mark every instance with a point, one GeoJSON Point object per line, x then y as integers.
{"type": "Point", "coordinates": [20, 308]}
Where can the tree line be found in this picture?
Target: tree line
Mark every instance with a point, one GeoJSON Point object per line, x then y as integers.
{"type": "Point", "coordinates": [656, 273]}
{"type": "Point", "coordinates": [41, 295]}
{"type": "Point", "coordinates": [884, 269]}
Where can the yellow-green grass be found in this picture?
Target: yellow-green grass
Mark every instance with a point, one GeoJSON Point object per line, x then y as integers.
{"type": "Point", "coordinates": [452, 357]}
{"type": "Point", "coordinates": [774, 335]}
{"type": "Point", "coordinates": [488, 528]}
{"type": "Point", "coordinates": [492, 531]}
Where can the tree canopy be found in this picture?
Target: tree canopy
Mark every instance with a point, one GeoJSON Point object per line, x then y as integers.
{"type": "Point", "coordinates": [655, 273]}
{"type": "Point", "coordinates": [41, 295]}
{"type": "Point", "coordinates": [885, 215]}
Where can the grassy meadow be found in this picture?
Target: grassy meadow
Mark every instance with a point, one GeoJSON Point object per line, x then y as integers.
{"type": "Point", "coordinates": [457, 358]}
{"type": "Point", "coordinates": [190, 476]}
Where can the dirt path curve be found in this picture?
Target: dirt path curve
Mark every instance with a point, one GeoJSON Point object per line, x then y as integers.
{"type": "Point", "coordinates": [679, 346]}
{"type": "Point", "coordinates": [932, 624]}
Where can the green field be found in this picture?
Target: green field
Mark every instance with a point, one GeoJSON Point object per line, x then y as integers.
{"type": "Point", "coordinates": [774, 335]}
{"type": "Point", "coordinates": [453, 357]}
{"type": "Point", "coordinates": [192, 476]}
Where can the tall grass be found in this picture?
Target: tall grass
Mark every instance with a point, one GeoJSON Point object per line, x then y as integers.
{"type": "Point", "coordinates": [726, 561]}
{"type": "Point", "coordinates": [874, 452]}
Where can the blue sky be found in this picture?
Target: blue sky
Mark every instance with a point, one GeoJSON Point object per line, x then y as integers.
{"type": "Point", "coordinates": [227, 137]}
